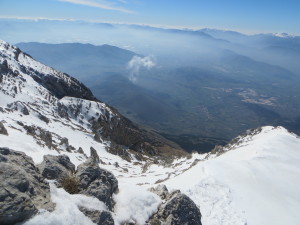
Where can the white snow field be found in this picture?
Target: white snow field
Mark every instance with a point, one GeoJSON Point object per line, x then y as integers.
{"type": "Point", "coordinates": [255, 181]}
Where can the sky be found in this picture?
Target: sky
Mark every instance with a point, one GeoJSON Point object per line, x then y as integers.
{"type": "Point", "coordinates": [247, 16]}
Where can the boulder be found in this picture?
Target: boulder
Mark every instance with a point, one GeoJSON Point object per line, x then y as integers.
{"type": "Point", "coordinates": [97, 182]}
{"type": "Point", "coordinates": [23, 191]}
{"type": "Point", "coordinates": [161, 190]}
{"type": "Point", "coordinates": [56, 167]}
{"type": "Point", "coordinates": [3, 129]}
{"type": "Point", "coordinates": [178, 209]}
{"type": "Point", "coordinates": [98, 217]}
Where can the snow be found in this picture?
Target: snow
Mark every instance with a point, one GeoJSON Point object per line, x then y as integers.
{"type": "Point", "coordinates": [257, 183]}
{"type": "Point", "coordinates": [66, 211]}
{"type": "Point", "coordinates": [134, 203]}
{"type": "Point", "coordinates": [88, 110]}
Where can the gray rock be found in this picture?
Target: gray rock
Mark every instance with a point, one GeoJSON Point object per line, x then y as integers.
{"type": "Point", "coordinates": [64, 141]}
{"type": "Point", "coordinates": [161, 190]}
{"type": "Point", "coordinates": [56, 167]}
{"type": "Point", "coordinates": [23, 191]}
{"type": "Point", "coordinates": [46, 136]}
{"type": "Point", "coordinates": [94, 155]}
{"type": "Point", "coordinates": [43, 118]}
{"type": "Point", "coordinates": [70, 148]}
{"type": "Point", "coordinates": [97, 182]}
{"type": "Point", "coordinates": [178, 209]}
{"type": "Point", "coordinates": [80, 150]}
{"type": "Point", "coordinates": [25, 111]}
{"type": "Point", "coordinates": [3, 129]}
{"type": "Point", "coordinates": [99, 217]}
{"type": "Point", "coordinates": [39, 134]}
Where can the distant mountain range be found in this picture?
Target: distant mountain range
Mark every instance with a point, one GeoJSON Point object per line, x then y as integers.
{"type": "Point", "coordinates": [197, 105]}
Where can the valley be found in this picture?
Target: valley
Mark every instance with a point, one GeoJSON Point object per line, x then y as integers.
{"type": "Point", "coordinates": [198, 101]}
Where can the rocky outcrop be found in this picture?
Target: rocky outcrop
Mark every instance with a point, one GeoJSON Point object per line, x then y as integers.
{"type": "Point", "coordinates": [121, 131]}
{"type": "Point", "coordinates": [43, 137]}
{"type": "Point", "coordinates": [62, 85]}
{"type": "Point", "coordinates": [23, 191]}
{"type": "Point", "coordinates": [161, 190]}
{"type": "Point", "coordinates": [94, 155]}
{"type": "Point", "coordinates": [56, 167]}
{"type": "Point", "coordinates": [177, 209]}
{"type": "Point", "coordinates": [3, 130]}
{"type": "Point", "coordinates": [98, 217]}
{"type": "Point", "coordinates": [97, 182]}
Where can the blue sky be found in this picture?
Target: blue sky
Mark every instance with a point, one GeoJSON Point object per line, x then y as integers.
{"type": "Point", "coordinates": [249, 16]}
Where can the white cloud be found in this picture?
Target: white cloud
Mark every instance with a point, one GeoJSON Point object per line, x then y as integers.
{"type": "Point", "coordinates": [136, 63]}
{"type": "Point", "coordinates": [97, 4]}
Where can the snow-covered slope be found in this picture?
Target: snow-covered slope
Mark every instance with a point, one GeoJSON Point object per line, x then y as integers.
{"type": "Point", "coordinates": [254, 180]}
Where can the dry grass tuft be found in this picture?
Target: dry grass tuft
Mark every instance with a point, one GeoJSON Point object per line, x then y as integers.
{"type": "Point", "coordinates": [70, 183]}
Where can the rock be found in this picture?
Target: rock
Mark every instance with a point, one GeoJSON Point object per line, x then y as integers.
{"type": "Point", "coordinates": [25, 111]}
{"type": "Point", "coordinates": [44, 118]}
{"type": "Point", "coordinates": [46, 136]}
{"type": "Point", "coordinates": [97, 182]}
{"type": "Point", "coordinates": [64, 141]}
{"type": "Point", "coordinates": [125, 136]}
{"type": "Point", "coordinates": [94, 155]}
{"type": "Point", "coordinates": [30, 130]}
{"type": "Point", "coordinates": [39, 134]}
{"type": "Point", "coordinates": [80, 150]}
{"type": "Point", "coordinates": [97, 137]}
{"type": "Point", "coordinates": [3, 129]}
{"type": "Point", "coordinates": [119, 150]}
{"type": "Point", "coordinates": [56, 167]}
{"type": "Point", "coordinates": [161, 190]}
{"type": "Point", "coordinates": [178, 209]}
{"type": "Point", "coordinates": [98, 217]}
{"type": "Point", "coordinates": [23, 191]}
{"type": "Point", "coordinates": [70, 148]}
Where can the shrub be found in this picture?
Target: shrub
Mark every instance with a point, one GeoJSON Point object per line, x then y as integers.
{"type": "Point", "coordinates": [70, 183]}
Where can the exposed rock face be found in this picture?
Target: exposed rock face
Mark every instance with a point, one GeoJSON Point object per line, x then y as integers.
{"type": "Point", "coordinates": [56, 167]}
{"type": "Point", "coordinates": [3, 129]}
{"type": "Point", "coordinates": [97, 182]}
{"type": "Point", "coordinates": [23, 191]}
{"type": "Point", "coordinates": [99, 217]}
{"type": "Point", "coordinates": [178, 209]}
{"type": "Point", "coordinates": [121, 131]}
{"type": "Point", "coordinates": [60, 88]}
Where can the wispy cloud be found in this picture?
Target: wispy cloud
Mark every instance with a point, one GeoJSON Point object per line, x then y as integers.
{"type": "Point", "coordinates": [136, 64]}
{"type": "Point", "coordinates": [98, 4]}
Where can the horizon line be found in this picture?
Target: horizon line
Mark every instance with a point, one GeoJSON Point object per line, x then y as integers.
{"type": "Point", "coordinates": [161, 26]}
